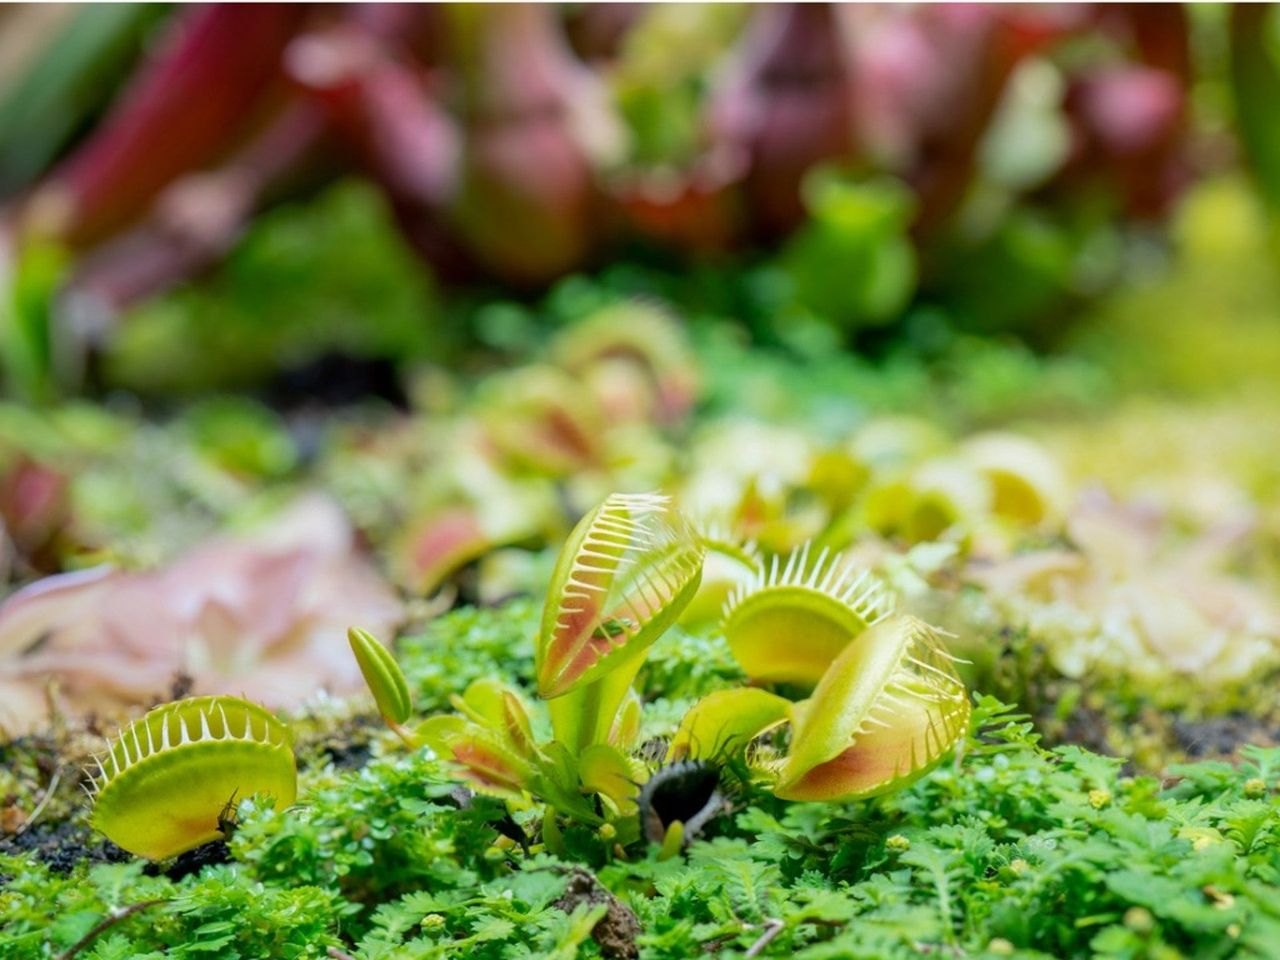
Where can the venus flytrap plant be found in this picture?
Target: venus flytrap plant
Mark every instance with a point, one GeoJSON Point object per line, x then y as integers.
{"type": "Point", "coordinates": [886, 703]}
{"type": "Point", "coordinates": [167, 782]}
{"type": "Point", "coordinates": [623, 577]}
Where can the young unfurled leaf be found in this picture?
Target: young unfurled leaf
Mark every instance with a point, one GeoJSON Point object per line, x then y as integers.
{"type": "Point", "coordinates": [437, 731]}
{"type": "Point", "coordinates": [491, 766]}
{"type": "Point", "coordinates": [724, 722]}
{"type": "Point", "coordinates": [164, 782]}
{"type": "Point", "coordinates": [515, 721]}
{"type": "Point", "coordinates": [381, 672]}
{"type": "Point", "coordinates": [791, 621]}
{"type": "Point", "coordinates": [888, 708]}
{"type": "Point", "coordinates": [497, 707]}
{"type": "Point", "coordinates": [624, 575]}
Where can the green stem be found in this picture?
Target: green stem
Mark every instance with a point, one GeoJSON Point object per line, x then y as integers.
{"type": "Point", "coordinates": [585, 716]}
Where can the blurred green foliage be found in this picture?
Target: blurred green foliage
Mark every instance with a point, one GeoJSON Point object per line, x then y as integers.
{"type": "Point", "coordinates": [659, 79]}
{"type": "Point", "coordinates": [1255, 80]}
{"type": "Point", "coordinates": [1204, 321]}
{"type": "Point", "coordinates": [330, 275]}
{"type": "Point", "coordinates": [242, 437]}
{"type": "Point", "coordinates": [27, 343]}
{"type": "Point", "coordinates": [853, 263]}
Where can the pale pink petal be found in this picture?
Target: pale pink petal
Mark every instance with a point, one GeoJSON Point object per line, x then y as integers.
{"type": "Point", "coordinates": [50, 605]}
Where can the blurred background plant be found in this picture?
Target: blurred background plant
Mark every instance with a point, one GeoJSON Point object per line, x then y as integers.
{"type": "Point", "coordinates": [986, 169]}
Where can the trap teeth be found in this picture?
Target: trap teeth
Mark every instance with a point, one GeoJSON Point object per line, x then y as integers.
{"type": "Point", "coordinates": [788, 622]}
{"type": "Point", "coordinates": [887, 710]}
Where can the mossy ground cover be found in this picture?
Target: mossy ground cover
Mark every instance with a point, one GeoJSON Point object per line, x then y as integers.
{"type": "Point", "coordinates": [1007, 849]}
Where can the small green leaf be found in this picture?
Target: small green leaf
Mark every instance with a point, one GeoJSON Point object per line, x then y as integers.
{"type": "Point", "coordinates": [672, 840]}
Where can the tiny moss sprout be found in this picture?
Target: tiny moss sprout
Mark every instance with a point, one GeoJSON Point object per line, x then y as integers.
{"type": "Point", "coordinates": [164, 783]}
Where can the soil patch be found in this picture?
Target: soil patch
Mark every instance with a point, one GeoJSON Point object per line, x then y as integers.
{"type": "Point", "coordinates": [616, 931]}
{"type": "Point", "coordinates": [1222, 736]}
{"type": "Point", "coordinates": [61, 846]}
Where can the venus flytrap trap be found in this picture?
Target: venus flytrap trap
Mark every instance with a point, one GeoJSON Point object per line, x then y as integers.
{"type": "Point", "coordinates": [792, 619]}
{"type": "Point", "coordinates": [623, 577]}
{"type": "Point", "coordinates": [166, 784]}
{"type": "Point", "coordinates": [886, 711]}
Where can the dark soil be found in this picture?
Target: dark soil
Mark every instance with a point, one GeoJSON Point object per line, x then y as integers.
{"type": "Point", "coordinates": [348, 756]}
{"type": "Point", "coordinates": [616, 931]}
{"type": "Point", "coordinates": [1086, 727]}
{"type": "Point", "coordinates": [349, 747]}
{"type": "Point", "coordinates": [337, 380]}
{"type": "Point", "coordinates": [63, 845]}
{"type": "Point", "coordinates": [193, 861]}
